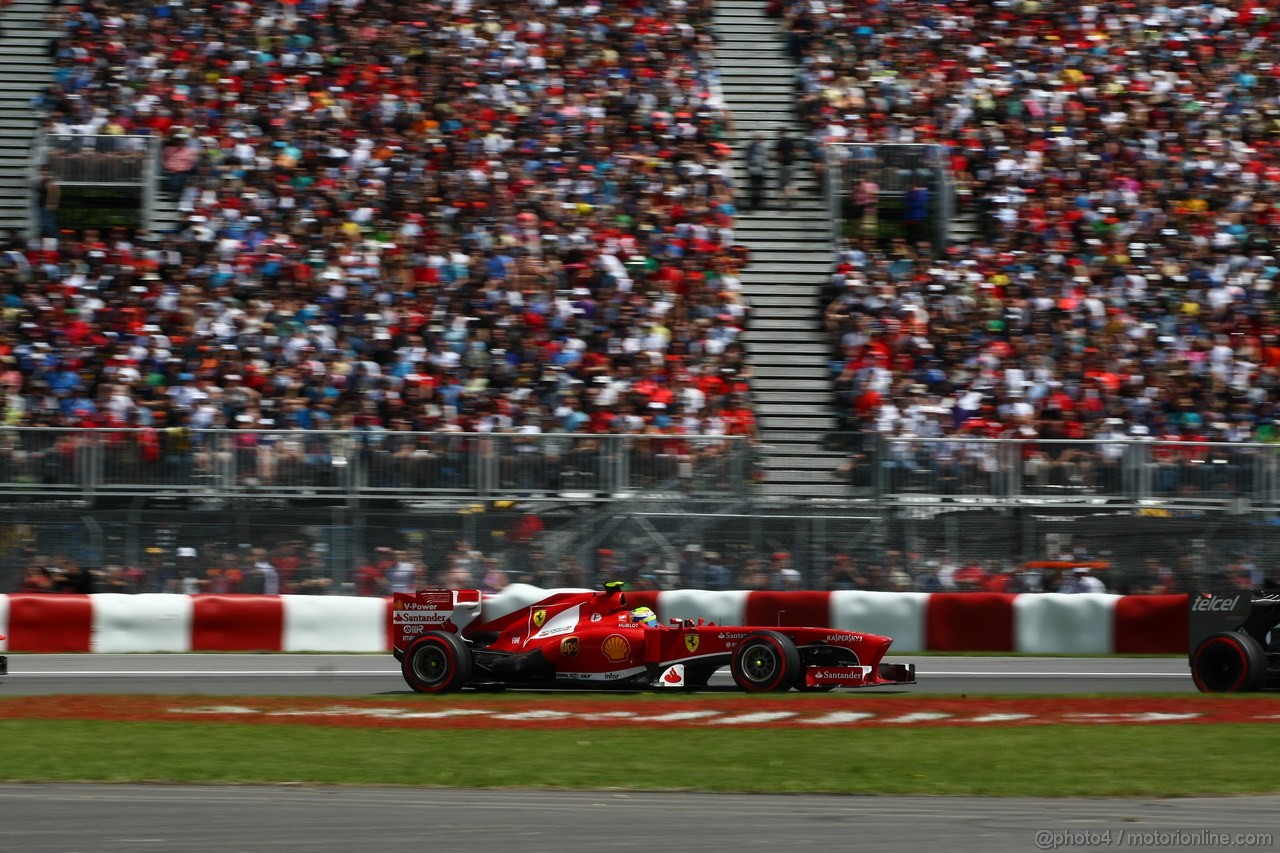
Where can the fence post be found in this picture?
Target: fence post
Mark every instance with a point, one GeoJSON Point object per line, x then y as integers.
{"type": "Point", "coordinates": [1133, 484]}
{"type": "Point", "coordinates": [1013, 468]}
{"type": "Point", "coordinates": [817, 547]}
{"type": "Point", "coordinates": [90, 459]}
{"type": "Point", "coordinates": [95, 539]}
{"type": "Point", "coordinates": [946, 198]}
{"type": "Point", "coordinates": [149, 177]}
{"type": "Point", "coordinates": [622, 483]}
{"type": "Point", "coordinates": [739, 466]}
{"type": "Point", "coordinates": [1268, 457]}
{"type": "Point", "coordinates": [1030, 545]}
{"type": "Point", "coordinates": [1143, 474]}
{"type": "Point", "coordinates": [39, 149]}
{"type": "Point", "coordinates": [340, 558]}
{"type": "Point", "coordinates": [835, 188]}
{"type": "Point", "coordinates": [878, 483]}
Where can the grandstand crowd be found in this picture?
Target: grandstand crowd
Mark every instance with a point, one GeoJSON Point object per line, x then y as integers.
{"type": "Point", "coordinates": [503, 217]}
{"type": "Point", "coordinates": [518, 217]}
{"type": "Point", "coordinates": [1121, 159]}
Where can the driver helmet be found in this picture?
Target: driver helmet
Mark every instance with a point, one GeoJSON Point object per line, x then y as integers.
{"type": "Point", "coordinates": [646, 616]}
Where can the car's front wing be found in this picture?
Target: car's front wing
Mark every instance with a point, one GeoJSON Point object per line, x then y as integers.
{"type": "Point", "coordinates": [859, 676]}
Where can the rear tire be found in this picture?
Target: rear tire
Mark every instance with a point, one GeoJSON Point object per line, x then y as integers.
{"type": "Point", "coordinates": [1229, 662]}
{"type": "Point", "coordinates": [766, 661]}
{"type": "Point", "coordinates": [437, 662]}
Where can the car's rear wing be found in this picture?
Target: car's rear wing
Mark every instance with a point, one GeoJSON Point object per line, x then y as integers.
{"type": "Point", "coordinates": [415, 613]}
{"type": "Point", "coordinates": [1255, 613]}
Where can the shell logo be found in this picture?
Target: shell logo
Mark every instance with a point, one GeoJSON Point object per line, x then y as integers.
{"type": "Point", "coordinates": [615, 648]}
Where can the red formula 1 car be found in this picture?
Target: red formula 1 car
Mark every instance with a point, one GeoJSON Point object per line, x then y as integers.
{"type": "Point", "coordinates": [444, 641]}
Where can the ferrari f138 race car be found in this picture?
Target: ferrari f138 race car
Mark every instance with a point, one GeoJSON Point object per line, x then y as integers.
{"type": "Point", "coordinates": [1234, 641]}
{"type": "Point", "coordinates": [445, 640]}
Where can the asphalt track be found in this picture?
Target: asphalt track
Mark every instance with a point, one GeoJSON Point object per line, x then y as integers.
{"type": "Point", "coordinates": [201, 819]}
{"type": "Point", "coordinates": [59, 818]}
{"type": "Point", "coordinates": [367, 675]}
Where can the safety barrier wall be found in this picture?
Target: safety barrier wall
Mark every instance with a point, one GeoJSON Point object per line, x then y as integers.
{"type": "Point", "coordinates": [950, 622]}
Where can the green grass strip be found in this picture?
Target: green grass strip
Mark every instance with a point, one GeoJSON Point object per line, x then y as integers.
{"type": "Point", "coordinates": [1052, 761]}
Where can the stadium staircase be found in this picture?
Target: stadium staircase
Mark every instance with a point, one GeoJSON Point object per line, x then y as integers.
{"type": "Point", "coordinates": [26, 69]}
{"type": "Point", "coordinates": [790, 258]}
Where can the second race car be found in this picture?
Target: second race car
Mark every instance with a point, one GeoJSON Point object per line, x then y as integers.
{"type": "Point", "coordinates": [1235, 640]}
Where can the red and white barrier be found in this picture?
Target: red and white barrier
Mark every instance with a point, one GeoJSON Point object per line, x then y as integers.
{"type": "Point", "coordinates": [155, 622]}
{"type": "Point", "coordinates": [309, 622]}
{"type": "Point", "coordinates": [899, 615]}
{"type": "Point", "coordinates": [723, 608]}
{"type": "Point", "coordinates": [1083, 623]}
{"type": "Point", "coordinates": [953, 622]}
{"type": "Point", "coordinates": [1150, 624]}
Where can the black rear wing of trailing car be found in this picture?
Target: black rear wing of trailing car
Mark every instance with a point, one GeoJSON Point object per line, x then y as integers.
{"type": "Point", "coordinates": [1255, 613]}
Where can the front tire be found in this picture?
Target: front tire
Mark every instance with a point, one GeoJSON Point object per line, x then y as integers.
{"type": "Point", "coordinates": [1229, 662]}
{"type": "Point", "coordinates": [765, 661]}
{"type": "Point", "coordinates": [437, 662]}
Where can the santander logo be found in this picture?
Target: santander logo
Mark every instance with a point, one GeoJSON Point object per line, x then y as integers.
{"type": "Point", "coordinates": [672, 677]}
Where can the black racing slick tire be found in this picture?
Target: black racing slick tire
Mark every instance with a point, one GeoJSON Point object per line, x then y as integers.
{"type": "Point", "coordinates": [436, 662]}
{"type": "Point", "coordinates": [1229, 662]}
{"type": "Point", "coordinates": [765, 661]}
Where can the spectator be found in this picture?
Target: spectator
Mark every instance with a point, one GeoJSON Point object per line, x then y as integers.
{"type": "Point", "coordinates": [225, 576]}
{"type": "Point", "coordinates": [458, 575]}
{"type": "Point", "coordinates": [404, 574]}
{"type": "Point", "coordinates": [310, 578]}
{"type": "Point", "coordinates": [179, 158]}
{"type": "Point", "coordinates": [75, 578]}
{"type": "Point", "coordinates": [718, 575]}
{"type": "Point", "coordinates": [753, 575]}
{"type": "Point", "coordinates": [916, 213]}
{"type": "Point", "coordinates": [572, 574]}
{"type": "Point", "coordinates": [48, 200]}
{"type": "Point", "coordinates": [757, 162]}
{"type": "Point", "coordinates": [785, 153]}
{"type": "Point", "coordinates": [36, 579]}
{"type": "Point", "coordinates": [866, 200]}
{"type": "Point", "coordinates": [1082, 580]}
{"type": "Point", "coordinates": [114, 580]}
{"type": "Point", "coordinates": [371, 578]}
{"type": "Point", "coordinates": [783, 575]}
{"type": "Point", "coordinates": [265, 573]}
{"type": "Point", "coordinates": [495, 577]}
